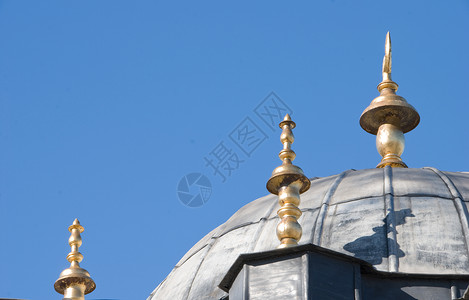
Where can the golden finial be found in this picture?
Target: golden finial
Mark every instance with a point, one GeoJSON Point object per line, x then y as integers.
{"type": "Point", "coordinates": [75, 282]}
{"type": "Point", "coordinates": [288, 182]}
{"type": "Point", "coordinates": [389, 116]}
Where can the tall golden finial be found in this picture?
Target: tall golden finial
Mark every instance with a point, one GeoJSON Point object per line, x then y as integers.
{"type": "Point", "coordinates": [75, 282]}
{"type": "Point", "coordinates": [389, 116]}
{"type": "Point", "coordinates": [288, 182]}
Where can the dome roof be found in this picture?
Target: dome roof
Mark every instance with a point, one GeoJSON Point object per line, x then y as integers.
{"type": "Point", "coordinates": [397, 219]}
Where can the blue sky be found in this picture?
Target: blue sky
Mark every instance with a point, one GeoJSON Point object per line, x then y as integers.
{"type": "Point", "coordinates": [106, 105]}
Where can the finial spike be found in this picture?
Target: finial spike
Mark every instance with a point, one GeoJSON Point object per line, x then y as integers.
{"type": "Point", "coordinates": [287, 117]}
{"type": "Point", "coordinates": [387, 60]}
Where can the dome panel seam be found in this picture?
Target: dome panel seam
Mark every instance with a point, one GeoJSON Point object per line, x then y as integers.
{"type": "Point", "coordinates": [459, 205]}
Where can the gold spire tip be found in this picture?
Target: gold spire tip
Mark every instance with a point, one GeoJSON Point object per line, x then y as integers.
{"type": "Point", "coordinates": [76, 225]}
{"type": "Point", "coordinates": [287, 121]}
{"type": "Point", "coordinates": [387, 60]}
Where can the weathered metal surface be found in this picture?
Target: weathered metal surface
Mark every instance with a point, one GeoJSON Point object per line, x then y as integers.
{"type": "Point", "coordinates": [303, 272]}
{"type": "Point", "coordinates": [309, 272]}
{"type": "Point", "coordinates": [285, 280]}
{"type": "Point", "coordinates": [411, 288]}
{"type": "Point", "coordinates": [426, 235]}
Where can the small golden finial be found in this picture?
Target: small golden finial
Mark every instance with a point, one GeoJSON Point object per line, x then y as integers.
{"type": "Point", "coordinates": [75, 282]}
{"type": "Point", "coordinates": [389, 116]}
{"type": "Point", "coordinates": [288, 182]}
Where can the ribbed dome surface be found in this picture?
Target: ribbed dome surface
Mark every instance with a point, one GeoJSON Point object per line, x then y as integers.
{"type": "Point", "coordinates": [399, 220]}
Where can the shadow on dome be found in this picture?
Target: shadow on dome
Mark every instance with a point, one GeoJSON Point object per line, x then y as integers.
{"type": "Point", "coordinates": [371, 248]}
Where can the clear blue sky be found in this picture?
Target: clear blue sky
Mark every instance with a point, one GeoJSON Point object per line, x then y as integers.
{"type": "Point", "coordinates": [105, 105]}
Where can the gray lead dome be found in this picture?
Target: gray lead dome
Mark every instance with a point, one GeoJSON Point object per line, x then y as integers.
{"type": "Point", "coordinates": [399, 220]}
